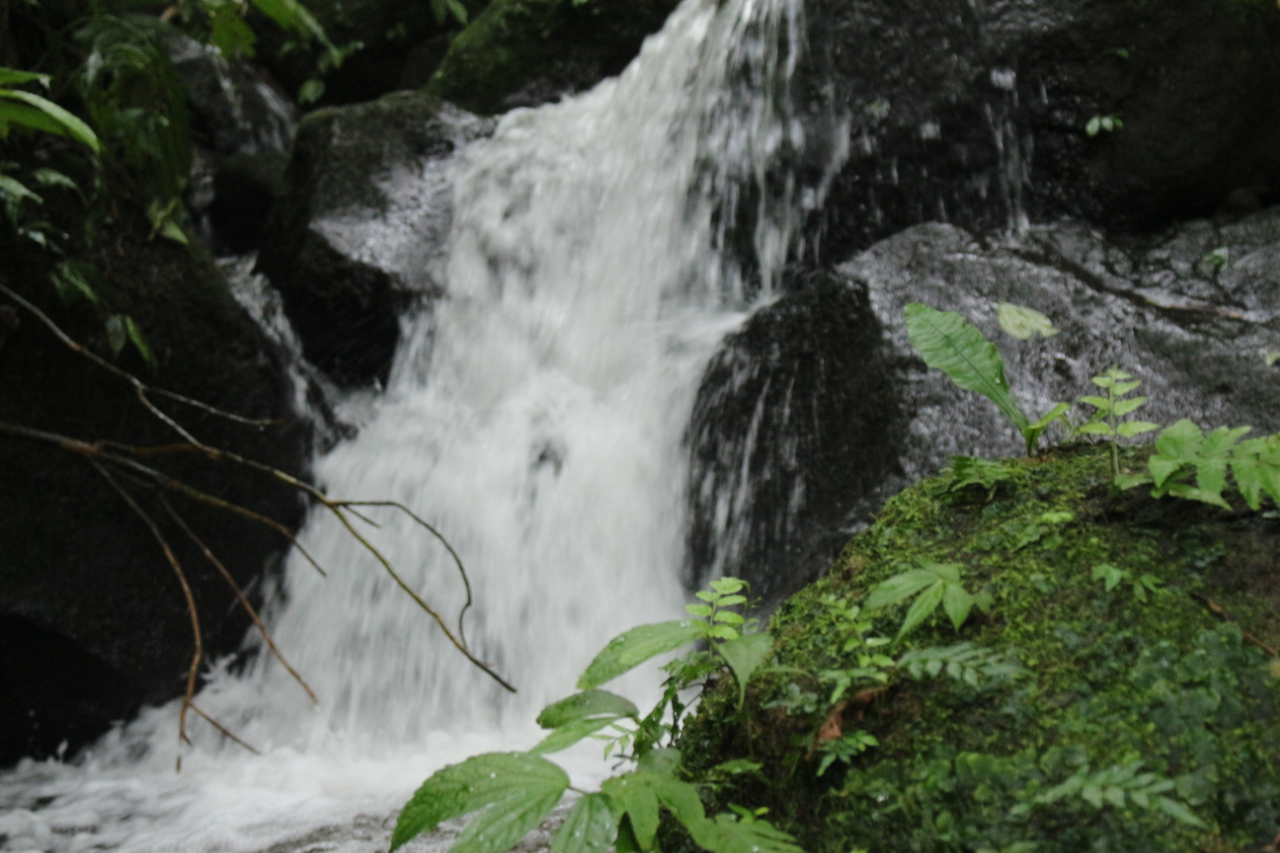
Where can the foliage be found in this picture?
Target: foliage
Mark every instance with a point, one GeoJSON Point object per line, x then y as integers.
{"type": "Point", "coordinates": [511, 793]}
{"type": "Point", "coordinates": [1106, 420]}
{"type": "Point", "coordinates": [1100, 124]}
{"type": "Point", "coordinates": [1059, 719]}
{"type": "Point", "coordinates": [947, 342]}
{"type": "Point", "coordinates": [935, 583]}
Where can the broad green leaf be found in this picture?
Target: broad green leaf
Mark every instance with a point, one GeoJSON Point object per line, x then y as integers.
{"type": "Point", "coordinates": [515, 789]}
{"type": "Point", "coordinates": [729, 617]}
{"type": "Point", "coordinates": [948, 343]}
{"type": "Point", "coordinates": [744, 656]}
{"type": "Point", "coordinates": [1177, 445]}
{"type": "Point", "coordinates": [665, 760]}
{"type": "Point", "coordinates": [1024, 323]}
{"type": "Point", "coordinates": [229, 33]}
{"type": "Point", "coordinates": [14, 191]}
{"type": "Point", "coordinates": [74, 277]}
{"type": "Point", "coordinates": [291, 15]}
{"type": "Point", "coordinates": [567, 735]}
{"type": "Point", "coordinates": [725, 835]}
{"type": "Point", "coordinates": [626, 842]}
{"type": "Point", "coordinates": [680, 797]}
{"type": "Point", "coordinates": [636, 646]}
{"type": "Point", "coordinates": [589, 827]}
{"type": "Point", "coordinates": [1096, 428]}
{"type": "Point", "coordinates": [117, 335]}
{"type": "Point", "coordinates": [957, 603]}
{"type": "Point", "coordinates": [1109, 575]}
{"type": "Point", "coordinates": [1127, 481]}
{"type": "Point", "coordinates": [14, 77]}
{"type": "Point", "coordinates": [633, 793]}
{"type": "Point", "coordinates": [588, 703]}
{"type": "Point", "coordinates": [925, 604]}
{"type": "Point", "coordinates": [1190, 493]}
{"type": "Point", "coordinates": [1100, 403]}
{"type": "Point", "coordinates": [64, 123]}
{"type": "Point", "coordinates": [899, 588]}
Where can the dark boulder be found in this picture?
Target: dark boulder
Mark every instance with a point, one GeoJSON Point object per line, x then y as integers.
{"type": "Point", "coordinates": [521, 53]}
{"type": "Point", "coordinates": [800, 434]}
{"type": "Point", "coordinates": [978, 113]}
{"type": "Point", "coordinates": [361, 231]}
{"type": "Point", "coordinates": [92, 616]}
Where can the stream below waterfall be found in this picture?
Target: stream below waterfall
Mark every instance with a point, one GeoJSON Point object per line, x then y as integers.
{"type": "Point", "coordinates": [536, 416]}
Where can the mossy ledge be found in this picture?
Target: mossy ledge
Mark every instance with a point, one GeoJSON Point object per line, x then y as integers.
{"type": "Point", "coordinates": [1179, 682]}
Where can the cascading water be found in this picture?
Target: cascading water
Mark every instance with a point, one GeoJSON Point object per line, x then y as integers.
{"type": "Point", "coordinates": [536, 416]}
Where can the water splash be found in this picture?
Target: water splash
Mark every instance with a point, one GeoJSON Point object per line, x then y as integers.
{"type": "Point", "coordinates": [536, 416]}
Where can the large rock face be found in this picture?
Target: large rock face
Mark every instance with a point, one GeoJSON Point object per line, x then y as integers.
{"type": "Point", "coordinates": [976, 113]}
{"type": "Point", "coordinates": [92, 617]}
{"type": "Point", "coordinates": [820, 409]}
{"type": "Point", "coordinates": [362, 230]}
{"type": "Point", "coordinates": [521, 53]}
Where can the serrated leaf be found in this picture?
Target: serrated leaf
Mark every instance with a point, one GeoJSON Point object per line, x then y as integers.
{"type": "Point", "coordinates": [1101, 403]}
{"type": "Point", "coordinates": [636, 646]}
{"type": "Point", "coordinates": [1096, 428]}
{"type": "Point", "coordinates": [702, 610]}
{"type": "Point", "coordinates": [590, 826]}
{"type": "Point", "coordinates": [728, 617]}
{"type": "Point", "coordinates": [1125, 407]}
{"type": "Point", "coordinates": [745, 655]}
{"type": "Point", "coordinates": [515, 790]}
{"type": "Point", "coordinates": [920, 609]}
{"type": "Point", "coordinates": [1023, 323]}
{"type": "Point", "coordinates": [948, 343]}
{"type": "Point", "coordinates": [588, 703]}
{"type": "Point", "coordinates": [957, 603]}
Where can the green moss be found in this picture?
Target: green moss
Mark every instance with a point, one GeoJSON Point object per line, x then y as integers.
{"type": "Point", "coordinates": [1112, 679]}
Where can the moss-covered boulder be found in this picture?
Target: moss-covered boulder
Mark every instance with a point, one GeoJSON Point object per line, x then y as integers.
{"type": "Point", "coordinates": [525, 52]}
{"type": "Point", "coordinates": [1140, 717]}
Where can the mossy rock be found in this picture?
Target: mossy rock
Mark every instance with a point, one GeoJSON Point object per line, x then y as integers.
{"type": "Point", "coordinates": [1174, 679]}
{"type": "Point", "coordinates": [525, 52]}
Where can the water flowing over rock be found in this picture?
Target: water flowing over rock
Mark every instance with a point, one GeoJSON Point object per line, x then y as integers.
{"type": "Point", "coordinates": [361, 231]}
{"type": "Point", "coordinates": [977, 113]}
{"type": "Point", "coordinates": [800, 435]}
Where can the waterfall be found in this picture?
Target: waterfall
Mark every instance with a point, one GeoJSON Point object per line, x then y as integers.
{"type": "Point", "coordinates": [535, 415]}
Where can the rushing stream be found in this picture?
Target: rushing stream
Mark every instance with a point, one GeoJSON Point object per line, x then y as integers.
{"type": "Point", "coordinates": [536, 416]}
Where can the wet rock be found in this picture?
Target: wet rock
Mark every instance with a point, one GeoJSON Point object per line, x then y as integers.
{"type": "Point", "coordinates": [361, 231]}
{"type": "Point", "coordinates": [838, 413]}
{"type": "Point", "coordinates": [979, 113]}
{"type": "Point", "coordinates": [243, 129]}
{"type": "Point", "coordinates": [522, 53]}
{"type": "Point", "coordinates": [92, 617]}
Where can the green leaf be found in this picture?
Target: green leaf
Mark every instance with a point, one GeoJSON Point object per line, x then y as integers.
{"type": "Point", "coordinates": [922, 607]}
{"type": "Point", "coordinates": [63, 122]}
{"type": "Point", "coordinates": [1125, 407]}
{"type": "Point", "coordinates": [1176, 446]}
{"type": "Point", "coordinates": [310, 91]}
{"type": "Point", "coordinates": [75, 277]}
{"type": "Point", "coordinates": [1179, 812]}
{"type": "Point", "coordinates": [1033, 431]}
{"type": "Point", "coordinates": [567, 735]}
{"type": "Point", "coordinates": [229, 33]}
{"type": "Point", "coordinates": [117, 335]}
{"type": "Point", "coordinates": [589, 827]}
{"type": "Point", "coordinates": [14, 193]}
{"type": "Point", "coordinates": [745, 655]}
{"type": "Point", "coordinates": [633, 793]}
{"type": "Point", "coordinates": [1024, 323]}
{"type": "Point", "coordinates": [957, 603]}
{"type": "Point", "coordinates": [725, 835]}
{"type": "Point", "coordinates": [54, 178]}
{"type": "Point", "coordinates": [589, 703]}
{"type": "Point", "coordinates": [636, 646]}
{"type": "Point", "coordinates": [737, 765]}
{"type": "Point", "coordinates": [1101, 403]}
{"type": "Point", "coordinates": [1132, 428]}
{"type": "Point", "coordinates": [899, 588]}
{"type": "Point", "coordinates": [948, 343]}
{"type": "Point", "coordinates": [680, 797]}
{"type": "Point", "coordinates": [516, 791]}
{"type": "Point", "coordinates": [1109, 575]}
{"type": "Point", "coordinates": [13, 77]}
{"type": "Point", "coordinates": [139, 341]}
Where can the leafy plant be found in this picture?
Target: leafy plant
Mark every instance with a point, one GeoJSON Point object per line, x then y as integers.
{"type": "Point", "coordinates": [844, 749]}
{"type": "Point", "coordinates": [934, 584]}
{"type": "Point", "coordinates": [1113, 577]}
{"type": "Point", "coordinates": [1185, 453]}
{"type": "Point", "coordinates": [511, 793]}
{"type": "Point", "coordinates": [1023, 323]}
{"type": "Point", "coordinates": [1111, 408]}
{"type": "Point", "coordinates": [947, 342]}
{"type": "Point", "coordinates": [966, 662]}
{"type": "Point", "coordinates": [1117, 786]}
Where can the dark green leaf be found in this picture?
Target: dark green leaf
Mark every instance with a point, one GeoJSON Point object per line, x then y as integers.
{"type": "Point", "coordinates": [570, 733]}
{"type": "Point", "coordinates": [640, 803]}
{"type": "Point", "coordinates": [64, 123]}
{"type": "Point", "coordinates": [516, 790]}
{"type": "Point", "coordinates": [922, 607]}
{"type": "Point", "coordinates": [139, 341]}
{"type": "Point", "coordinates": [725, 835]}
{"type": "Point", "coordinates": [13, 77]}
{"type": "Point", "coordinates": [899, 588]}
{"type": "Point", "coordinates": [636, 646]}
{"type": "Point", "coordinates": [957, 603]}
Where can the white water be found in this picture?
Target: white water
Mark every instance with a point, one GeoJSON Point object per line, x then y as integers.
{"type": "Point", "coordinates": [535, 417]}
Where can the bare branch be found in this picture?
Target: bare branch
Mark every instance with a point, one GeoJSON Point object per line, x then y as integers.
{"type": "Point", "coordinates": [240, 596]}
{"type": "Point", "coordinates": [223, 729]}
